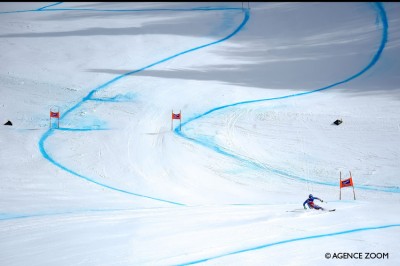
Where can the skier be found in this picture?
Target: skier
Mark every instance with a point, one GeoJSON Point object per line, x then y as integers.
{"type": "Point", "coordinates": [310, 203]}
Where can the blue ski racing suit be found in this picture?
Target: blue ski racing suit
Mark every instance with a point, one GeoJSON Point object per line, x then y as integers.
{"type": "Point", "coordinates": [310, 203]}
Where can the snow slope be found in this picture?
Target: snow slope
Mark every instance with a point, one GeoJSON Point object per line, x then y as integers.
{"type": "Point", "coordinates": [258, 88]}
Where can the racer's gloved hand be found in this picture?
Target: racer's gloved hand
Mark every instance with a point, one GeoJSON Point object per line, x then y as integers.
{"type": "Point", "coordinates": [305, 207]}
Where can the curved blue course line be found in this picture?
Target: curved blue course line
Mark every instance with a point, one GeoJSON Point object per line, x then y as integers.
{"type": "Point", "coordinates": [30, 10]}
{"type": "Point", "coordinates": [54, 4]}
{"type": "Point", "coordinates": [89, 97]}
{"type": "Point", "coordinates": [383, 18]}
{"type": "Point", "coordinates": [293, 240]}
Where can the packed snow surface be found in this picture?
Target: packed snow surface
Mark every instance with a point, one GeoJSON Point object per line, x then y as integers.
{"type": "Point", "coordinates": [116, 181]}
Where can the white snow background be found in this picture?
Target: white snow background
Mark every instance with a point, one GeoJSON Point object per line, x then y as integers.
{"type": "Point", "coordinates": [258, 90]}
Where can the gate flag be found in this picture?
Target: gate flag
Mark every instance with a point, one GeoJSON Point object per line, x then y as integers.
{"type": "Point", "coordinates": [176, 116]}
{"type": "Point", "coordinates": [55, 114]}
{"type": "Point", "coordinates": [346, 183]}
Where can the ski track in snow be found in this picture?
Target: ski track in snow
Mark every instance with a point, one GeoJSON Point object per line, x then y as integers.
{"type": "Point", "coordinates": [46, 135]}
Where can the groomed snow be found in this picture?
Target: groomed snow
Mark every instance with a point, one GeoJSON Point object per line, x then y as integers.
{"type": "Point", "coordinates": [258, 89]}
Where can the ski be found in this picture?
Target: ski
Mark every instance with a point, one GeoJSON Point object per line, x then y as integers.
{"type": "Point", "coordinates": [304, 210]}
{"type": "Point", "coordinates": [297, 210]}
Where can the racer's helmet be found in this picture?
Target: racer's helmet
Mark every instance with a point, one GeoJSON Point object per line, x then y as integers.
{"type": "Point", "coordinates": [310, 196]}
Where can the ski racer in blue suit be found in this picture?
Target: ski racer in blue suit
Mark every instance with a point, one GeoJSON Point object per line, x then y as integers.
{"type": "Point", "coordinates": [310, 203]}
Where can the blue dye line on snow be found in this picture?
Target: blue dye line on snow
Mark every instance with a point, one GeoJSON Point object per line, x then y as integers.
{"type": "Point", "coordinates": [21, 11]}
{"type": "Point", "coordinates": [111, 100]}
{"type": "Point", "coordinates": [30, 10]}
{"type": "Point", "coordinates": [293, 240]}
{"type": "Point", "coordinates": [54, 4]}
{"type": "Point", "coordinates": [382, 15]}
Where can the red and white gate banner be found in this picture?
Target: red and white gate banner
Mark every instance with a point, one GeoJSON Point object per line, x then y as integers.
{"type": "Point", "coordinates": [176, 116]}
{"type": "Point", "coordinates": [54, 114]}
{"type": "Point", "coordinates": [346, 183]}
